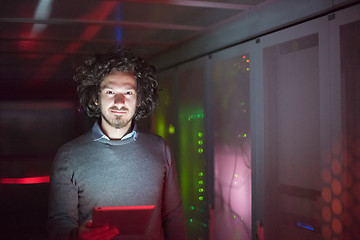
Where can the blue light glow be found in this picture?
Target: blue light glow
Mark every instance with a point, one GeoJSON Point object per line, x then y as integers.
{"type": "Point", "coordinates": [305, 225]}
{"type": "Point", "coordinates": [118, 29]}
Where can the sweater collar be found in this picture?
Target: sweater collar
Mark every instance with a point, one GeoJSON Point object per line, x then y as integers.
{"type": "Point", "coordinates": [99, 135]}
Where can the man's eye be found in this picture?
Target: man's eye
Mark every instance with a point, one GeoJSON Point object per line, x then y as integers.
{"type": "Point", "coordinates": [129, 93]}
{"type": "Point", "coordinates": [109, 92]}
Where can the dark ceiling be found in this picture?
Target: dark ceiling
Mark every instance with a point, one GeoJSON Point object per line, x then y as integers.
{"type": "Point", "coordinates": [42, 41]}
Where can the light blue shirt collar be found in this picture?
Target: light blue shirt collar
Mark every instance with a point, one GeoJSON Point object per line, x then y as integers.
{"type": "Point", "coordinates": [99, 134]}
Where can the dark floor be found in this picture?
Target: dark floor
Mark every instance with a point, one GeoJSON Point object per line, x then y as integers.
{"type": "Point", "coordinates": [23, 211]}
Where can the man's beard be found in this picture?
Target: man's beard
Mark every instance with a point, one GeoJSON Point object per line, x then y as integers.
{"type": "Point", "coordinates": [118, 122]}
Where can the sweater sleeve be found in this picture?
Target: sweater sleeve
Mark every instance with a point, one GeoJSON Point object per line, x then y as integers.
{"type": "Point", "coordinates": [172, 212]}
{"type": "Point", "coordinates": [63, 200]}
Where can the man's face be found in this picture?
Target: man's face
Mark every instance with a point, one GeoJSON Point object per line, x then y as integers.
{"type": "Point", "coordinates": [117, 99]}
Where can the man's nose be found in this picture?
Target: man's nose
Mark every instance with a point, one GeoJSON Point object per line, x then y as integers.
{"type": "Point", "coordinates": [119, 99]}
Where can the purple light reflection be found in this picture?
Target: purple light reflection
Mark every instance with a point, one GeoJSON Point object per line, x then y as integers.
{"type": "Point", "coordinates": [233, 191]}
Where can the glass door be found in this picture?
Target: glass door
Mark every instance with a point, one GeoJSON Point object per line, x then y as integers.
{"type": "Point", "coordinates": [296, 136]}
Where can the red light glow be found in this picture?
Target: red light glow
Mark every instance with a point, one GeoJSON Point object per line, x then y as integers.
{"type": "Point", "coordinates": [102, 11]}
{"type": "Point", "coordinates": [29, 180]}
{"type": "Point", "coordinates": [144, 207]}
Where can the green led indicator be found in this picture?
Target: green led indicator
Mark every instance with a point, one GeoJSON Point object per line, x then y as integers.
{"type": "Point", "coordinates": [201, 198]}
{"type": "Point", "coordinates": [192, 207]}
{"type": "Point", "coordinates": [201, 182]}
{"type": "Point", "coordinates": [171, 129]}
{"type": "Point", "coordinates": [201, 174]}
{"type": "Point", "coordinates": [200, 150]}
{"type": "Point", "coordinates": [200, 142]}
{"type": "Point", "coordinates": [200, 134]}
{"type": "Point", "coordinates": [242, 135]}
{"type": "Point", "coordinates": [201, 190]}
{"type": "Point", "coordinates": [195, 116]}
{"type": "Point", "coordinates": [191, 220]}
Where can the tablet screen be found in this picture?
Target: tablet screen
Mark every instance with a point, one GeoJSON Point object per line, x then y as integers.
{"type": "Point", "coordinates": [129, 220]}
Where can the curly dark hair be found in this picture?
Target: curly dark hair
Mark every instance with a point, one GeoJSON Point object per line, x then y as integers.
{"type": "Point", "coordinates": [93, 71]}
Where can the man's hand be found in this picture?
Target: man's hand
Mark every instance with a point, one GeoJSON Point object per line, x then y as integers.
{"type": "Point", "coordinates": [86, 232]}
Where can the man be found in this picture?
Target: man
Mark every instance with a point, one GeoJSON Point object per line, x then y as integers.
{"type": "Point", "coordinates": [114, 164]}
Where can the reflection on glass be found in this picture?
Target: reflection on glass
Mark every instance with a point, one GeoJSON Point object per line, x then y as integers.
{"type": "Point", "coordinates": [192, 169]}
{"type": "Point", "coordinates": [180, 120]}
{"type": "Point", "coordinates": [232, 162]}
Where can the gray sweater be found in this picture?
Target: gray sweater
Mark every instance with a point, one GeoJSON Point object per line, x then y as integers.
{"type": "Point", "coordinates": [136, 171]}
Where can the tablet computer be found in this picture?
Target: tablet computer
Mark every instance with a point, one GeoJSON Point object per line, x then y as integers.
{"type": "Point", "coordinates": [129, 220]}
